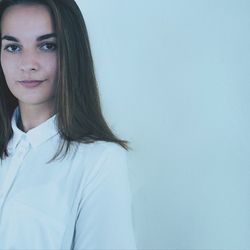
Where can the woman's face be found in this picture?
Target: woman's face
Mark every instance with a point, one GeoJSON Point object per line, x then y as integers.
{"type": "Point", "coordinates": [29, 54]}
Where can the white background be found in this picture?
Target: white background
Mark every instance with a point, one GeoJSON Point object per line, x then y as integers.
{"type": "Point", "coordinates": [174, 80]}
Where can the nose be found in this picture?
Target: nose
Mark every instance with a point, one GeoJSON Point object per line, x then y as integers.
{"type": "Point", "coordinates": [29, 62]}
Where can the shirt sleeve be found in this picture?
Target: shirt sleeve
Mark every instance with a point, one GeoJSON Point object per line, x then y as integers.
{"type": "Point", "coordinates": [104, 216]}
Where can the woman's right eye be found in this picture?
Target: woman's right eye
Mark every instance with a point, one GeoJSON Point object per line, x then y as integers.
{"type": "Point", "coordinates": [12, 48]}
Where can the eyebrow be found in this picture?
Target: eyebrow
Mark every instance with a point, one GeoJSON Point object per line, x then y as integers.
{"type": "Point", "coordinates": [40, 38]}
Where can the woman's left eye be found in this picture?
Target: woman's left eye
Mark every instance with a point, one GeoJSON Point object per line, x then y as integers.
{"type": "Point", "coordinates": [48, 46]}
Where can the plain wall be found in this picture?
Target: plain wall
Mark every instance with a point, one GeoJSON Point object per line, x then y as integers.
{"type": "Point", "coordinates": [174, 80]}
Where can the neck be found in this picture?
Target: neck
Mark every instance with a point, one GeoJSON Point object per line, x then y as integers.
{"type": "Point", "coordinates": [33, 115]}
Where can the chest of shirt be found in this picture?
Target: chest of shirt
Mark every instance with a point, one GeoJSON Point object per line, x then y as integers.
{"type": "Point", "coordinates": [38, 200]}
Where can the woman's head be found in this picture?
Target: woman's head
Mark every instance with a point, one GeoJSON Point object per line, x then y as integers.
{"type": "Point", "coordinates": [75, 92]}
{"type": "Point", "coordinates": [74, 57]}
{"type": "Point", "coordinates": [29, 55]}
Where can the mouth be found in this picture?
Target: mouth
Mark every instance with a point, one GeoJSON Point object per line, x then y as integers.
{"type": "Point", "coordinates": [30, 83]}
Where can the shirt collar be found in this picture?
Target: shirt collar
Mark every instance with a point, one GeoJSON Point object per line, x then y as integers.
{"type": "Point", "coordinates": [35, 136]}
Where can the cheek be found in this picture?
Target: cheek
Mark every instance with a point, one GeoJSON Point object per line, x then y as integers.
{"type": "Point", "coordinates": [51, 66]}
{"type": "Point", "coordinates": [8, 67]}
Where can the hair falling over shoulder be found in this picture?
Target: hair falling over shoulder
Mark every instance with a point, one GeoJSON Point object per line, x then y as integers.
{"type": "Point", "coordinates": [78, 110]}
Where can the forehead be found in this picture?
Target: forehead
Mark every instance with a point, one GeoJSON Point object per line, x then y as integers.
{"type": "Point", "coordinates": [24, 20]}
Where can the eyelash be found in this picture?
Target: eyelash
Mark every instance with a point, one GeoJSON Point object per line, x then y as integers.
{"type": "Point", "coordinates": [17, 46]}
{"type": "Point", "coordinates": [11, 46]}
{"type": "Point", "coordinates": [49, 44]}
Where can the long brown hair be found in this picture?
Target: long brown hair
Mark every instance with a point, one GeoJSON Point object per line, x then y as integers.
{"type": "Point", "coordinates": [78, 111]}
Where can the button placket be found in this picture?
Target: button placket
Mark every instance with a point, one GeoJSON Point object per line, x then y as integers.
{"type": "Point", "coordinates": [13, 169]}
{"type": "Point", "coordinates": [22, 149]}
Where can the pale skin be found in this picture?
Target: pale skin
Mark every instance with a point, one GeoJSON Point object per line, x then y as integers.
{"type": "Point", "coordinates": [29, 61]}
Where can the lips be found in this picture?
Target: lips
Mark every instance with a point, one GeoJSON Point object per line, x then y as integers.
{"type": "Point", "coordinates": [30, 83]}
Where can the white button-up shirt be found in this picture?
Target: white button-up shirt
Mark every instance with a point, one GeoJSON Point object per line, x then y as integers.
{"type": "Point", "coordinates": [80, 202]}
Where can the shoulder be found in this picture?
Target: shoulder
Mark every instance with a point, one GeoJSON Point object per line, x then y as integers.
{"type": "Point", "coordinates": [101, 150]}
{"type": "Point", "coordinates": [102, 164]}
{"type": "Point", "coordinates": [100, 158]}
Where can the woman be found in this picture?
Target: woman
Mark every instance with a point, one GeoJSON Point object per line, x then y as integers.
{"type": "Point", "coordinates": [63, 176]}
